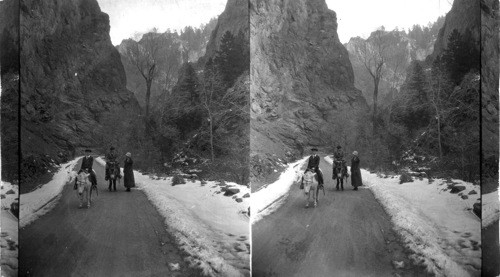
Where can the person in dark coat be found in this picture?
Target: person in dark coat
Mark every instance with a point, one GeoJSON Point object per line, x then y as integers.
{"type": "Point", "coordinates": [128, 172]}
{"type": "Point", "coordinates": [313, 164]}
{"type": "Point", "coordinates": [87, 163]}
{"type": "Point", "coordinates": [355, 171]}
{"type": "Point", "coordinates": [110, 158]}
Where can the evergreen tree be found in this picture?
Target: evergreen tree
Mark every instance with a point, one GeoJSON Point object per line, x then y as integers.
{"type": "Point", "coordinates": [232, 59]}
{"type": "Point", "coordinates": [460, 56]}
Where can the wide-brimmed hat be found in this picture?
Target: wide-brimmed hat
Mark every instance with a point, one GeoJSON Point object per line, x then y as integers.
{"type": "Point", "coordinates": [111, 148]}
{"type": "Point", "coordinates": [88, 150]}
{"type": "Point", "coordinates": [338, 146]}
{"type": "Point", "coordinates": [314, 149]}
{"type": "Point", "coordinates": [128, 154]}
{"type": "Point", "coordinates": [355, 153]}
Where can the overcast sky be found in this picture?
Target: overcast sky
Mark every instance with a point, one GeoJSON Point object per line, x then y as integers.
{"type": "Point", "coordinates": [354, 17]}
{"type": "Point", "coordinates": [361, 17]}
{"type": "Point", "coordinates": [128, 17]}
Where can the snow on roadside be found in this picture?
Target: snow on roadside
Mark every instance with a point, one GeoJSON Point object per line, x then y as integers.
{"type": "Point", "coordinates": [211, 228]}
{"type": "Point", "coordinates": [438, 226]}
{"type": "Point", "coordinates": [40, 201]}
{"type": "Point", "coordinates": [490, 208]}
{"type": "Point", "coordinates": [9, 231]}
{"type": "Point", "coordinates": [269, 199]}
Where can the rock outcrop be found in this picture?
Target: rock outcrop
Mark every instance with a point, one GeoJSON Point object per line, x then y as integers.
{"type": "Point", "coordinates": [9, 68]}
{"type": "Point", "coordinates": [234, 19]}
{"type": "Point", "coordinates": [302, 82]}
{"type": "Point", "coordinates": [489, 88]}
{"type": "Point", "coordinates": [72, 80]}
{"type": "Point", "coordinates": [465, 17]}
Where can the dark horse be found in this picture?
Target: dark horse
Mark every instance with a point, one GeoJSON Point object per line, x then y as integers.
{"type": "Point", "coordinates": [113, 174]}
{"type": "Point", "coordinates": [339, 172]}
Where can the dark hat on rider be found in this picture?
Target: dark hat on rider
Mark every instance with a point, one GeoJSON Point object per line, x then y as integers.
{"type": "Point", "coordinates": [88, 150]}
{"type": "Point", "coordinates": [111, 148]}
{"type": "Point", "coordinates": [314, 149]}
{"type": "Point", "coordinates": [338, 146]}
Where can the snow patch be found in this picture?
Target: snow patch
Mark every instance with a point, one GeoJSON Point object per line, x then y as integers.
{"type": "Point", "coordinates": [490, 208]}
{"type": "Point", "coordinates": [9, 231]}
{"type": "Point", "coordinates": [270, 198]}
{"type": "Point", "coordinates": [40, 201]}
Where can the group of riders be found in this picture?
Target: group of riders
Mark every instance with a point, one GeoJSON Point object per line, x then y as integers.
{"type": "Point", "coordinates": [87, 175]}
{"type": "Point", "coordinates": [313, 181]}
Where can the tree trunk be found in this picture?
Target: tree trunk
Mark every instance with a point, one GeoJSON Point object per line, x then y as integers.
{"type": "Point", "coordinates": [439, 136]}
{"type": "Point", "coordinates": [375, 100]}
{"type": "Point", "coordinates": [211, 138]}
{"type": "Point", "coordinates": [148, 95]}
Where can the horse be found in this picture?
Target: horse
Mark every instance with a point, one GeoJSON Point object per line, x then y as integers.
{"type": "Point", "coordinates": [84, 187]}
{"type": "Point", "coordinates": [310, 183]}
{"type": "Point", "coordinates": [113, 174]}
{"type": "Point", "coordinates": [339, 172]}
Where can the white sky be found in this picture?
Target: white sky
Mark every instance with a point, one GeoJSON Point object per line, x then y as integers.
{"type": "Point", "coordinates": [361, 17]}
{"type": "Point", "coordinates": [354, 17]}
{"type": "Point", "coordinates": [128, 17]}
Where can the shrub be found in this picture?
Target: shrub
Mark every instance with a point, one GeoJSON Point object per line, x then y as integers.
{"type": "Point", "coordinates": [177, 180]}
{"type": "Point", "coordinates": [405, 178]}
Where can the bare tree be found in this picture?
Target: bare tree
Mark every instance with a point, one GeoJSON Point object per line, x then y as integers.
{"type": "Point", "coordinates": [146, 56]}
{"type": "Point", "coordinates": [381, 54]}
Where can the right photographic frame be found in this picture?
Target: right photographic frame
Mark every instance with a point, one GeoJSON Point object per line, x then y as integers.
{"type": "Point", "coordinates": [374, 138]}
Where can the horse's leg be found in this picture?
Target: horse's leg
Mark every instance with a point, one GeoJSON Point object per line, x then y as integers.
{"type": "Point", "coordinates": [114, 184]}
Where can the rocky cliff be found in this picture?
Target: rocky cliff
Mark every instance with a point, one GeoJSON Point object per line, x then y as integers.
{"type": "Point", "coordinates": [9, 68]}
{"type": "Point", "coordinates": [72, 80]}
{"type": "Point", "coordinates": [489, 87]}
{"type": "Point", "coordinates": [464, 16]}
{"type": "Point", "coordinates": [234, 19]}
{"type": "Point", "coordinates": [302, 82]}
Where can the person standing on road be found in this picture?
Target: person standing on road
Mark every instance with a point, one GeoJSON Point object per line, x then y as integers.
{"type": "Point", "coordinates": [110, 158]}
{"type": "Point", "coordinates": [128, 172]}
{"type": "Point", "coordinates": [313, 163]}
{"type": "Point", "coordinates": [355, 171]}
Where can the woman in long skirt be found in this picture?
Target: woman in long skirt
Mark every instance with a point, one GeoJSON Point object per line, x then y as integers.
{"type": "Point", "coordinates": [355, 171]}
{"type": "Point", "coordinates": [128, 172]}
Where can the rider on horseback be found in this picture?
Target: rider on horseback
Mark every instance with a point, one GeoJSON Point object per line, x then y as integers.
{"type": "Point", "coordinates": [110, 158]}
{"type": "Point", "coordinates": [340, 161]}
{"type": "Point", "coordinates": [313, 163]}
{"type": "Point", "coordinates": [87, 164]}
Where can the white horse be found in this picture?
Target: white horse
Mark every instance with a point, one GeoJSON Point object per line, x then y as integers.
{"type": "Point", "coordinates": [83, 188]}
{"type": "Point", "coordinates": [310, 181]}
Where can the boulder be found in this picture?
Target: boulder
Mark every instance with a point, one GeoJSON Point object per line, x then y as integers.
{"type": "Point", "coordinates": [476, 208]}
{"type": "Point", "coordinates": [231, 191]}
{"type": "Point", "coordinates": [457, 189]}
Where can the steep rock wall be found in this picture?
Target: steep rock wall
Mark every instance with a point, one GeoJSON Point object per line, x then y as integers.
{"type": "Point", "coordinates": [72, 79]}
{"type": "Point", "coordinates": [302, 82]}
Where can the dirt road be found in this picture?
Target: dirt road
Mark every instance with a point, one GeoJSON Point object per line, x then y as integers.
{"type": "Point", "coordinates": [348, 234]}
{"type": "Point", "coordinates": [122, 234]}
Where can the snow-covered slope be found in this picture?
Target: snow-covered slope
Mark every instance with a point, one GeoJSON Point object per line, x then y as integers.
{"type": "Point", "coordinates": [270, 198]}
{"type": "Point", "coordinates": [8, 227]}
{"type": "Point", "coordinates": [490, 208]}
{"type": "Point", "coordinates": [43, 199]}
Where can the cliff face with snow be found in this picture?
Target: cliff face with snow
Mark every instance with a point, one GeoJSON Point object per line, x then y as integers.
{"type": "Point", "coordinates": [302, 83]}
{"type": "Point", "coordinates": [72, 80]}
